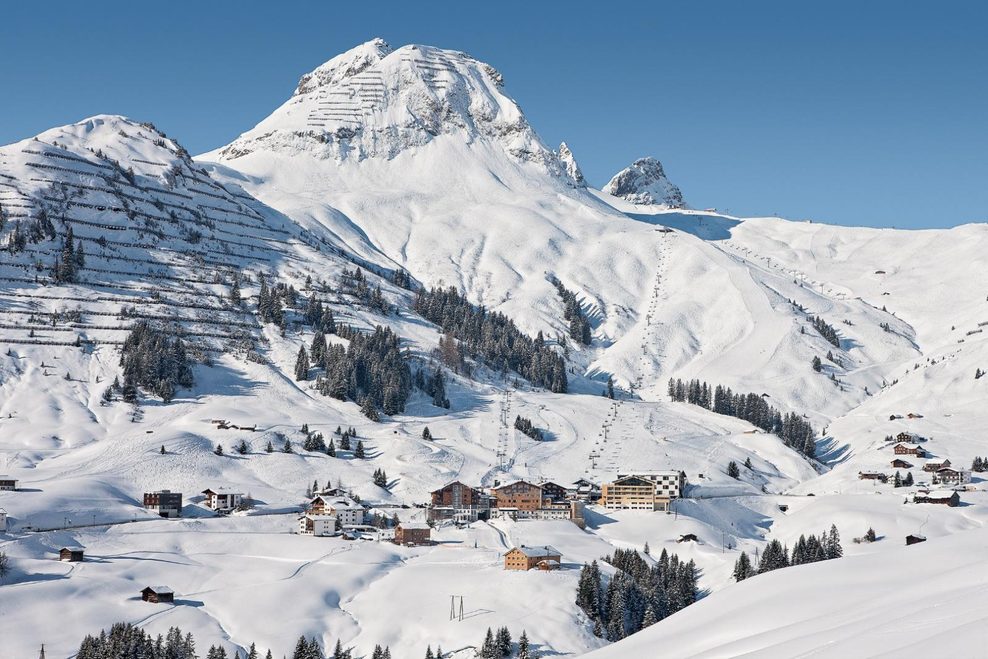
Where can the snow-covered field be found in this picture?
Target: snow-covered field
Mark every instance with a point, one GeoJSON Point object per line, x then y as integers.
{"type": "Point", "coordinates": [416, 158]}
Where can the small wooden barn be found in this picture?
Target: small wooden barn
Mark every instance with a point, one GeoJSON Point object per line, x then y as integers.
{"type": "Point", "coordinates": [72, 554]}
{"type": "Point", "coordinates": [158, 594]}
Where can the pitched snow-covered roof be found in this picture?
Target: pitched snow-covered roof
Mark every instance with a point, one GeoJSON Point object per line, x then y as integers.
{"type": "Point", "coordinates": [543, 551]}
{"type": "Point", "coordinates": [160, 589]}
{"type": "Point", "coordinates": [417, 526]}
{"type": "Point", "coordinates": [940, 494]}
{"type": "Point", "coordinates": [73, 548]}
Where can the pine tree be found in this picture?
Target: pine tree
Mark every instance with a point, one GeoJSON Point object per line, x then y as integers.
{"type": "Point", "coordinates": [897, 480]}
{"type": "Point", "coordinates": [743, 568]}
{"type": "Point", "coordinates": [488, 650]}
{"type": "Point", "coordinates": [523, 650]}
{"type": "Point", "coordinates": [610, 387]}
{"type": "Point", "coordinates": [732, 470]}
{"type": "Point", "coordinates": [368, 410]}
{"type": "Point", "coordinates": [817, 364]}
{"type": "Point", "coordinates": [503, 642]}
{"type": "Point", "coordinates": [426, 434]}
{"type": "Point", "coordinates": [359, 451]}
{"type": "Point", "coordinates": [908, 480]}
{"type": "Point", "coordinates": [218, 450]}
{"type": "Point", "coordinates": [252, 653]}
{"type": "Point", "coordinates": [269, 448]}
{"type": "Point", "coordinates": [302, 365]}
{"type": "Point", "coordinates": [330, 449]}
{"type": "Point", "coordinates": [288, 447]}
{"type": "Point", "coordinates": [428, 652]}
{"type": "Point", "coordinates": [747, 463]}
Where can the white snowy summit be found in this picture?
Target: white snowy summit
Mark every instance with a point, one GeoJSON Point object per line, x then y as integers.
{"type": "Point", "coordinates": [375, 101]}
{"type": "Point", "coordinates": [645, 183]}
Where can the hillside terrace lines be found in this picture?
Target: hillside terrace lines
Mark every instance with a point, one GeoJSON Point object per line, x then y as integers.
{"type": "Point", "coordinates": [122, 182]}
{"type": "Point", "coordinates": [197, 216]}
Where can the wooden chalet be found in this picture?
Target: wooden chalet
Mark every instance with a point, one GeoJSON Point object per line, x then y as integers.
{"type": "Point", "coordinates": [942, 497]}
{"type": "Point", "coordinates": [526, 558]}
{"type": "Point", "coordinates": [899, 463]}
{"type": "Point", "coordinates": [520, 495]}
{"type": "Point", "coordinates": [936, 466]}
{"type": "Point", "coordinates": [413, 534]}
{"type": "Point", "coordinates": [909, 438]}
{"type": "Point", "coordinates": [72, 554]}
{"type": "Point", "coordinates": [158, 594]}
{"type": "Point", "coordinates": [914, 539]}
{"type": "Point", "coordinates": [873, 476]}
{"type": "Point", "coordinates": [7, 483]}
{"type": "Point", "coordinates": [951, 476]}
{"type": "Point", "coordinates": [909, 449]}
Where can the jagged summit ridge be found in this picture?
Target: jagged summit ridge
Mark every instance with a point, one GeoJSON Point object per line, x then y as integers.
{"type": "Point", "coordinates": [375, 101]}
{"type": "Point", "coordinates": [645, 183]}
{"type": "Point", "coordinates": [571, 167]}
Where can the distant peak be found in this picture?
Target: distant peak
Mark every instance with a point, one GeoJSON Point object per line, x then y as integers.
{"type": "Point", "coordinates": [570, 166]}
{"type": "Point", "coordinates": [645, 183]}
{"type": "Point", "coordinates": [344, 65]}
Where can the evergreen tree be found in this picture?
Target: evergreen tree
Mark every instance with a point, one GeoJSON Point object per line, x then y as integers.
{"type": "Point", "coordinates": [288, 447]}
{"type": "Point", "coordinates": [426, 434]}
{"type": "Point", "coordinates": [503, 642]}
{"type": "Point", "coordinates": [359, 451]}
{"type": "Point", "coordinates": [732, 470]}
{"type": "Point", "coordinates": [908, 480]}
{"type": "Point", "coordinates": [218, 450]}
{"type": "Point", "coordinates": [269, 448]}
{"type": "Point", "coordinates": [817, 364]}
{"type": "Point", "coordinates": [523, 650]}
{"type": "Point", "coordinates": [610, 387]}
{"type": "Point", "coordinates": [330, 449]}
{"type": "Point", "coordinates": [743, 568]}
{"type": "Point", "coordinates": [302, 365]}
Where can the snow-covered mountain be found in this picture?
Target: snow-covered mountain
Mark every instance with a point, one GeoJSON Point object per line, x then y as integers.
{"type": "Point", "coordinates": [644, 183]}
{"type": "Point", "coordinates": [415, 160]}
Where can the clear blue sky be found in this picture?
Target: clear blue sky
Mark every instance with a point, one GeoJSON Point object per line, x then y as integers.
{"type": "Point", "coordinates": [866, 113]}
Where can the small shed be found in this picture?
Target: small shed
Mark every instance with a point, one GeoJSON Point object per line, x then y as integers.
{"type": "Point", "coordinates": [899, 463]}
{"type": "Point", "coordinates": [72, 554]}
{"type": "Point", "coordinates": [688, 537]}
{"type": "Point", "coordinates": [158, 594]}
{"type": "Point", "coordinates": [547, 565]}
{"type": "Point", "coordinates": [914, 539]}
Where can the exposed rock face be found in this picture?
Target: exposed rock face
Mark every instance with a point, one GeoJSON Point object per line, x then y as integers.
{"type": "Point", "coordinates": [645, 183]}
{"type": "Point", "coordinates": [570, 166]}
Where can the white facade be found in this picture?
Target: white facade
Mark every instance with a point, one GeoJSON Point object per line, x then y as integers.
{"type": "Point", "coordinates": [317, 525]}
{"type": "Point", "coordinates": [668, 484]}
{"type": "Point", "coordinates": [350, 515]}
{"type": "Point", "coordinates": [221, 500]}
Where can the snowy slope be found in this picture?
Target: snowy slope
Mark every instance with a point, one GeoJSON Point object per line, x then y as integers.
{"type": "Point", "coordinates": [915, 601]}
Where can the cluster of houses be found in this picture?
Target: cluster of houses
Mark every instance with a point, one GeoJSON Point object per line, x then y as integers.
{"type": "Point", "coordinates": [168, 504]}
{"type": "Point", "coordinates": [521, 499]}
{"type": "Point", "coordinates": [907, 445]}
